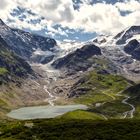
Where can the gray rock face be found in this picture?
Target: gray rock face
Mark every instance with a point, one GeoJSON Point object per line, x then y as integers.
{"type": "Point", "coordinates": [136, 53]}
{"type": "Point", "coordinates": [78, 60]}
{"type": "Point", "coordinates": [12, 64]}
{"type": "Point", "coordinates": [101, 40]}
{"type": "Point", "coordinates": [131, 46]}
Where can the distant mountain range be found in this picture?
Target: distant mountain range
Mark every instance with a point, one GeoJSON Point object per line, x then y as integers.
{"type": "Point", "coordinates": [121, 51]}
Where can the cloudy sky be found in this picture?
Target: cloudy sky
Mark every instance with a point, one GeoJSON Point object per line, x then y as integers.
{"type": "Point", "coordinates": [71, 19]}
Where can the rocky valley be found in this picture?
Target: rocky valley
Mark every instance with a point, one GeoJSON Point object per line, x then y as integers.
{"type": "Point", "coordinates": [93, 80]}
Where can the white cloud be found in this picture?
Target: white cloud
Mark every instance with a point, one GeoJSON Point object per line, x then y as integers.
{"type": "Point", "coordinates": [5, 8]}
{"type": "Point", "coordinates": [102, 18]}
{"type": "Point", "coordinates": [99, 17]}
{"type": "Point", "coordinates": [55, 10]}
{"type": "Point", "coordinates": [131, 5]}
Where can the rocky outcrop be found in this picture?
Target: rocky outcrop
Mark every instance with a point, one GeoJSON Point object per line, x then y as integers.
{"type": "Point", "coordinates": [136, 53]}
{"type": "Point", "coordinates": [78, 60]}
{"type": "Point", "coordinates": [133, 48]}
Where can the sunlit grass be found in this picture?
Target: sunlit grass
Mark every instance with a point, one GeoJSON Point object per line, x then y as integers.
{"type": "Point", "coordinates": [80, 115]}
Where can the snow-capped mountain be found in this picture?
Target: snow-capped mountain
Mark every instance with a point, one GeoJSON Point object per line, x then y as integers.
{"type": "Point", "coordinates": [131, 32]}
{"type": "Point", "coordinates": [36, 48]}
{"type": "Point", "coordinates": [120, 39]}
{"type": "Point", "coordinates": [24, 43]}
{"type": "Point", "coordinates": [122, 57]}
{"type": "Point", "coordinates": [122, 50]}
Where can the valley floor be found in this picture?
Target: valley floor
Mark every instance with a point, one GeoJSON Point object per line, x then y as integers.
{"type": "Point", "coordinates": [106, 100]}
{"type": "Point", "coordinates": [105, 97]}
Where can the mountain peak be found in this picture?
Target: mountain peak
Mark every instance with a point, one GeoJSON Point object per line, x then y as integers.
{"type": "Point", "coordinates": [127, 34]}
{"type": "Point", "coordinates": [134, 27]}
{"type": "Point", "coordinates": [1, 22]}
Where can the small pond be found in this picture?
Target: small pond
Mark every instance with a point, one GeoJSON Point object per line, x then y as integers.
{"type": "Point", "coordinates": [38, 112]}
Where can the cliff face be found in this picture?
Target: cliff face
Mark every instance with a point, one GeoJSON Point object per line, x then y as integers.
{"type": "Point", "coordinates": [11, 65]}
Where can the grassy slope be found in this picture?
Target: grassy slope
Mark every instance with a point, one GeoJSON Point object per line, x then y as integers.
{"type": "Point", "coordinates": [82, 115]}
{"type": "Point", "coordinates": [3, 71]}
{"type": "Point", "coordinates": [63, 129]}
{"type": "Point", "coordinates": [103, 89]}
{"type": "Point", "coordinates": [13, 69]}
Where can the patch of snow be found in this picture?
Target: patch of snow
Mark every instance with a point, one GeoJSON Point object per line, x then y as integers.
{"type": "Point", "coordinates": [40, 52]}
{"type": "Point", "coordinates": [137, 37]}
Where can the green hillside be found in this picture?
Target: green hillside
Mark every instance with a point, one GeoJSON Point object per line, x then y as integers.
{"type": "Point", "coordinates": [100, 92]}
{"type": "Point", "coordinates": [63, 129]}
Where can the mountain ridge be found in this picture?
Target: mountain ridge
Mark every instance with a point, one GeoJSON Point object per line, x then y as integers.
{"type": "Point", "coordinates": [124, 56]}
{"type": "Point", "coordinates": [14, 65]}
{"type": "Point", "coordinates": [24, 43]}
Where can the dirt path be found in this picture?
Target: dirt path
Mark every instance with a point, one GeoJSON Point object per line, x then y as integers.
{"type": "Point", "coordinates": [127, 113]}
